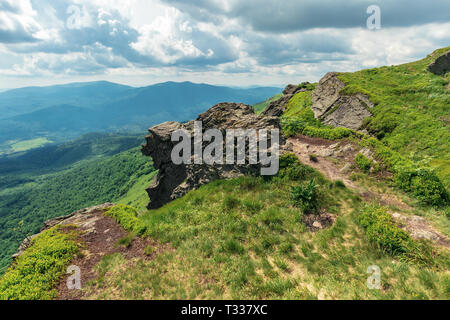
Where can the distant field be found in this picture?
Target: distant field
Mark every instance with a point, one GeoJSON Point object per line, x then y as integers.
{"type": "Point", "coordinates": [29, 144]}
{"type": "Point", "coordinates": [22, 145]}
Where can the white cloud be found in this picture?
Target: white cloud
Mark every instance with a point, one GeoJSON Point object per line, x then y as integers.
{"type": "Point", "coordinates": [217, 41]}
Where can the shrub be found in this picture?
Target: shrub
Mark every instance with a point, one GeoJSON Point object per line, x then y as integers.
{"type": "Point", "coordinates": [292, 169]}
{"type": "Point", "coordinates": [423, 184]}
{"type": "Point", "coordinates": [292, 127]}
{"type": "Point", "coordinates": [363, 162]}
{"type": "Point", "coordinates": [305, 196]}
{"type": "Point", "coordinates": [381, 125]}
{"type": "Point", "coordinates": [313, 157]}
{"type": "Point", "coordinates": [381, 230]}
{"type": "Point", "coordinates": [288, 159]}
{"type": "Point", "coordinates": [127, 217]}
{"type": "Point", "coordinates": [35, 273]}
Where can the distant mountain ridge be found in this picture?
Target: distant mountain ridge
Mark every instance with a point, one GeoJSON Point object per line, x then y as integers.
{"type": "Point", "coordinates": [64, 112]}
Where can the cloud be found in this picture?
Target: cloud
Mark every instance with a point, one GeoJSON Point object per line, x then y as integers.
{"type": "Point", "coordinates": [17, 22]}
{"type": "Point", "coordinates": [173, 40]}
{"type": "Point", "coordinates": [296, 15]}
{"type": "Point", "coordinates": [219, 40]}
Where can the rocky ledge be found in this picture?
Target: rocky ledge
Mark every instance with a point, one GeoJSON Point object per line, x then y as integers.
{"type": "Point", "coordinates": [84, 218]}
{"type": "Point", "coordinates": [336, 109]}
{"type": "Point", "coordinates": [174, 181]}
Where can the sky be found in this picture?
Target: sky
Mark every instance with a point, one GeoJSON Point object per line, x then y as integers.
{"type": "Point", "coordinates": [226, 42]}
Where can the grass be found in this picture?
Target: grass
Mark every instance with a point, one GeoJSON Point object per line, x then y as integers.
{"type": "Point", "coordinates": [411, 113]}
{"type": "Point", "coordinates": [136, 196]}
{"type": "Point", "coordinates": [410, 120]}
{"type": "Point", "coordinates": [35, 273]}
{"type": "Point", "coordinates": [260, 107]}
{"type": "Point", "coordinates": [256, 246]}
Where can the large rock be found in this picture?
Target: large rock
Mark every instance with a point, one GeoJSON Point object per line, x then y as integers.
{"type": "Point", "coordinates": [441, 65]}
{"type": "Point", "coordinates": [336, 109]}
{"type": "Point", "coordinates": [277, 108]}
{"type": "Point", "coordinates": [174, 181]}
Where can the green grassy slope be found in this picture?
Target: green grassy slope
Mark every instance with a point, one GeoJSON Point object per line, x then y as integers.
{"type": "Point", "coordinates": [412, 111]}
{"type": "Point", "coordinates": [409, 120]}
{"type": "Point", "coordinates": [259, 107]}
{"type": "Point", "coordinates": [245, 239]}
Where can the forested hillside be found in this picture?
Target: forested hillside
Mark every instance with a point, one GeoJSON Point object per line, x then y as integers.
{"type": "Point", "coordinates": [57, 180]}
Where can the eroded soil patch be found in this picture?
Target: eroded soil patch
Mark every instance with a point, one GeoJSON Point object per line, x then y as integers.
{"type": "Point", "coordinates": [100, 239]}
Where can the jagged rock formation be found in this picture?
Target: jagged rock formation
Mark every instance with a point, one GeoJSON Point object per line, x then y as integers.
{"type": "Point", "coordinates": [84, 218]}
{"type": "Point", "coordinates": [441, 65]}
{"type": "Point", "coordinates": [336, 109]}
{"type": "Point", "coordinates": [276, 108]}
{"type": "Point", "coordinates": [174, 181]}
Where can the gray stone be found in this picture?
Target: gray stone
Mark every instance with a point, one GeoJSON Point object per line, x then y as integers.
{"type": "Point", "coordinates": [441, 65]}
{"type": "Point", "coordinates": [336, 109]}
{"type": "Point", "coordinates": [174, 181]}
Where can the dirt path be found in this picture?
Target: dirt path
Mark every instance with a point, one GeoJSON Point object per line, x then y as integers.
{"type": "Point", "coordinates": [345, 152]}
{"type": "Point", "coordinates": [334, 161]}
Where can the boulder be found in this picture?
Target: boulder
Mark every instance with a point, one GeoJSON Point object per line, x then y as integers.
{"type": "Point", "coordinates": [174, 181]}
{"type": "Point", "coordinates": [441, 65]}
{"type": "Point", "coordinates": [337, 109]}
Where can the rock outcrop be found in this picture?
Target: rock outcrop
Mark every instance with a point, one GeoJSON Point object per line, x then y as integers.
{"type": "Point", "coordinates": [276, 108]}
{"type": "Point", "coordinates": [336, 109]}
{"type": "Point", "coordinates": [441, 65]}
{"type": "Point", "coordinates": [174, 181]}
{"type": "Point", "coordinates": [84, 218]}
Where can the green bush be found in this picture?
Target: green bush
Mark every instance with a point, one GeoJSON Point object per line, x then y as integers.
{"type": "Point", "coordinates": [34, 274]}
{"type": "Point", "coordinates": [293, 169]}
{"type": "Point", "coordinates": [126, 241]}
{"type": "Point", "coordinates": [381, 230]}
{"type": "Point", "coordinates": [363, 162]}
{"type": "Point", "coordinates": [288, 159]}
{"type": "Point", "coordinates": [423, 184]}
{"type": "Point", "coordinates": [382, 124]}
{"type": "Point", "coordinates": [305, 196]}
{"type": "Point", "coordinates": [127, 217]}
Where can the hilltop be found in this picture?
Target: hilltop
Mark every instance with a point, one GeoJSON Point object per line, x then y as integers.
{"type": "Point", "coordinates": [363, 181]}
